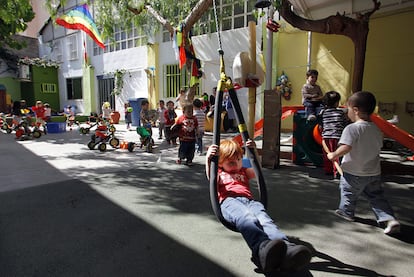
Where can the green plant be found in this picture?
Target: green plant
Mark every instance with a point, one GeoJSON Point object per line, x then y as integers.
{"type": "Point", "coordinates": [38, 62]}
{"type": "Point", "coordinates": [119, 81]}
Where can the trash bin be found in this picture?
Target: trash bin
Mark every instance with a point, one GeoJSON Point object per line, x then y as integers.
{"type": "Point", "coordinates": [135, 103]}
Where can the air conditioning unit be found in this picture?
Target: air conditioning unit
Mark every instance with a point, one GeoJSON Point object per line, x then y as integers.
{"type": "Point", "coordinates": [24, 72]}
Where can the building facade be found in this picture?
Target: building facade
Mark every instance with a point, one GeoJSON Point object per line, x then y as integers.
{"type": "Point", "coordinates": [150, 66]}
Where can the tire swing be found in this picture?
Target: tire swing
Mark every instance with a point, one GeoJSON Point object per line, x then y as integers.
{"type": "Point", "coordinates": [225, 83]}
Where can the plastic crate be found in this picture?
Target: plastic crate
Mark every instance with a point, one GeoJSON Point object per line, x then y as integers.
{"type": "Point", "coordinates": [56, 127]}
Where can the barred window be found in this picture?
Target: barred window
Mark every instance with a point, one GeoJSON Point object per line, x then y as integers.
{"type": "Point", "coordinates": [175, 79]}
{"type": "Point", "coordinates": [48, 88]}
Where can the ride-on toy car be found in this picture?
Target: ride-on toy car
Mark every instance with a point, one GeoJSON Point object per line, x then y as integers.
{"type": "Point", "coordinates": [145, 139]}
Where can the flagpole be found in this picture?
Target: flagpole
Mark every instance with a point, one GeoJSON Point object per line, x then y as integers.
{"type": "Point", "coordinates": [85, 50]}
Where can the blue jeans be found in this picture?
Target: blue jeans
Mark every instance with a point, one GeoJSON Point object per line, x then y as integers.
{"type": "Point", "coordinates": [370, 187]}
{"type": "Point", "coordinates": [186, 150]}
{"type": "Point", "coordinates": [312, 107]}
{"type": "Point", "coordinates": [251, 220]}
{"type": "Point", "coordinates": [199, 143]}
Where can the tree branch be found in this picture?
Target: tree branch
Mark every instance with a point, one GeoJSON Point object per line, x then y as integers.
{"type": "Point", "coordinates": [197, 12]}
{"type": "Point", "coordinates": [356, 29]}
{"type": "Point", "coordinates": [155, 14]}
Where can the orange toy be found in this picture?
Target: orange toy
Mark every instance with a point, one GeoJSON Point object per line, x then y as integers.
{"type": "Point", "coordinates": [317, 135]}
{"type": "Point", "coordinates": [123, 145]}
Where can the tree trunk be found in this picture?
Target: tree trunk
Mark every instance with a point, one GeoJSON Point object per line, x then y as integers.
{"type": "Point", "coordinates": [356, 29]}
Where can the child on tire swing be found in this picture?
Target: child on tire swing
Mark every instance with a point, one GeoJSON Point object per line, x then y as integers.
{"type": "Point", "coordinates": [271, 249]}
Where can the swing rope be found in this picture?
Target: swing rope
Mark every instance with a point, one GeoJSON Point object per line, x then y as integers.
{"type": "Point", "coordinates": [225, 83]}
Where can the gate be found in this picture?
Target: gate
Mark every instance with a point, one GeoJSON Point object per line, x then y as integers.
{"type": "Point", "coordinates": [105, 88]}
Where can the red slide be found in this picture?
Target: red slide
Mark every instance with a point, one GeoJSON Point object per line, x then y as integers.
{"type": "Point", "coordinates": [389, 129]}
{"type": "Point", "coordinates": [258, 126]}
{"type": "Point", "coordinates": [392, 131]}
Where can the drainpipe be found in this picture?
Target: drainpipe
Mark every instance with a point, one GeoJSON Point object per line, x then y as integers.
{"type": "Point", "coordinates": [309, 58]}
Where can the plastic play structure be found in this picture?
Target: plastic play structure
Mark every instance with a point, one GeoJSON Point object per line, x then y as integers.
{"type": "Point", "coordinates": [307, 149]}
{"type": "Point", "coordinates": [393, 132]}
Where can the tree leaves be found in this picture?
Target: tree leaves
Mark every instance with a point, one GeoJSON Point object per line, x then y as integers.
{"type": "Point", "coordinates": [14, 16]}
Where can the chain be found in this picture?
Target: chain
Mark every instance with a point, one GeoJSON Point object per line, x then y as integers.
{"type": "Point", "coordinates": [217, 27]}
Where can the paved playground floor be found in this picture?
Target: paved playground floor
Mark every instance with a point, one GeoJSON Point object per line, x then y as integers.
{"type": "Point", "coordinates": [66, 210]}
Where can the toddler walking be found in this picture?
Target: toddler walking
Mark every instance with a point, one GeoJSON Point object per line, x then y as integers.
{"type": "Point", "coordinates": [360, 146]}
{"type": "Point", "coordinates": [187, 125]}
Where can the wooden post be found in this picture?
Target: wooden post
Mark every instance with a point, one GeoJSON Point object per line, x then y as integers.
{"type": "Point", "coordinates": [271, 129]}
{"type": "Point", "coordinates": [272, 111]}
{"type": "Point", "coordinates": [252, 70]}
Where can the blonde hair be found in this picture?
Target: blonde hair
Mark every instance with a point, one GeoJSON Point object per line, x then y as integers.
{"type": "Point", "coordinates": [188, 107]}
{"type": "Point", "coordinates": [229, 149]}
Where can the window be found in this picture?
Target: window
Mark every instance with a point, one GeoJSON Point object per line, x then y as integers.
{"type": "Point", "coordinates": [232, 15]}
{"type": "Point", "coordinates": [57, 50]}
{"type": "Point", "coordinates": [72, 43]}
{"type": "Point", "coordinates": [74, 88]}
{"type": "Point", "coordinates": [48, 88]}
{"type": "Point", "coordinates": [122, 39]}
{"type": "Point", "coordinates": [175, 79]}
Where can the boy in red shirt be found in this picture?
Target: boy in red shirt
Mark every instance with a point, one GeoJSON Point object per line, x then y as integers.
{"type": "Point", "coordinates": [187, 125]}
{"type": "Point", "coordinates": [271, 249]}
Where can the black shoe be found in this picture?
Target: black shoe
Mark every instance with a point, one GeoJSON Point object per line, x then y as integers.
{"type": "Point", "coordinates": [297, 257]}
{"type": "Point", "coordinates": [271, 254]}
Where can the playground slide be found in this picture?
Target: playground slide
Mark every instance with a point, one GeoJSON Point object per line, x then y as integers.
{"type": "Point", "coordinates": [258, 126]}
{"type": "Point", "coordinates": [392, 131]}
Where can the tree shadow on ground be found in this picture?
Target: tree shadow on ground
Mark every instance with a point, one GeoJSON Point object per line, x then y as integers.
{"type": "Point", "coordinates": [296, 200]}
{"type": "Point", "coordinates": [68, 229]}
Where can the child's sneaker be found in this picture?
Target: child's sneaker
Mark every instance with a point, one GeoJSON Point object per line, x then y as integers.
{"type": "Point", "coordinates": [311, 117]}
{"type": "Point", "coordinates": [297, 257]}
{"type": "Point", "coordinates": [178, 161]}
{"type": "Point", "coordinates": [271, 254]}
{"type": "Point", "coordinates": [393, 227]}
{"type": "Point", "coordinates": [343, 215]}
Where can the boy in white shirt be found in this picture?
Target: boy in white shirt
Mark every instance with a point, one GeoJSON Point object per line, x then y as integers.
{"type": "Point", "coordinates": [360, 146]}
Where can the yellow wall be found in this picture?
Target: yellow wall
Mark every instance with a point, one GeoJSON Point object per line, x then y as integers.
{"type": "Point", "coordinates": [388, 65]}
{"type": "Point", "coordinates": [291, 53]}
{"type": "Point", "coordinates": [153, 61]}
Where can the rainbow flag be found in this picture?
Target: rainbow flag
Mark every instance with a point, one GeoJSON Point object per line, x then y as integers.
{"type": "Point", "coordinates": [80, 19]}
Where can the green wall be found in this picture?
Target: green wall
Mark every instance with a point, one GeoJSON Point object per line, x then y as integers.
{"type": "Point", "coordinates": [88, 85]}
{"type": "Point", "coordinates": [41, 75]}
{"type": "Point", "coordinates": [12, 86]}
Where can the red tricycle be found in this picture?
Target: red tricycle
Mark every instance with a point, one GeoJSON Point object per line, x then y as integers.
{"type": "Point", "coordinates": [102, 135]}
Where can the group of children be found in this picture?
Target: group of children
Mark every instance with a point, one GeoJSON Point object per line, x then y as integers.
{"type": "Point", "coordinates": [188, 127]}
{"type": "Point", "coordinates": [357, 143]}
{"type": "Point", "coordinates": [352, 136]}
{"type": "Point", "coordinates": [41, 111]}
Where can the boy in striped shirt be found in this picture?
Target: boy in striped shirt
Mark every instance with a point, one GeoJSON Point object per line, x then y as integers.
{"type": "Point", "coordinates": [201, 118]}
